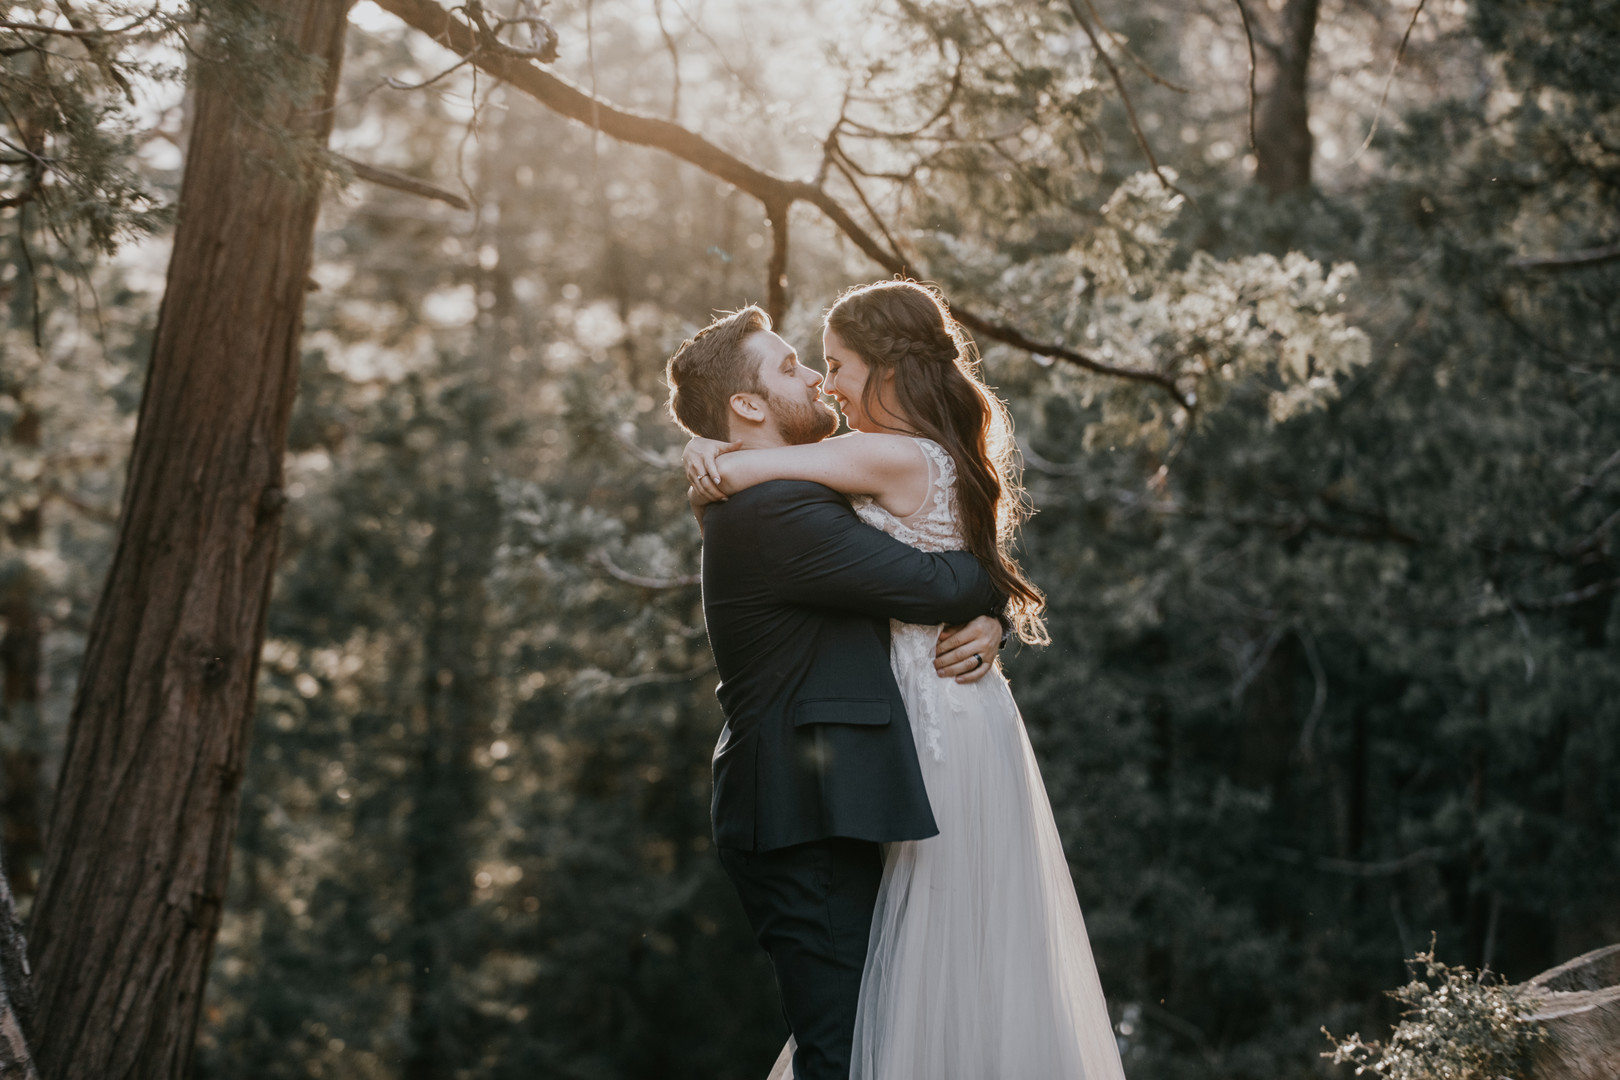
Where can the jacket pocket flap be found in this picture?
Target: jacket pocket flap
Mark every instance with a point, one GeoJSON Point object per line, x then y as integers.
{"type": "Point", "coordinates": [864, 711]}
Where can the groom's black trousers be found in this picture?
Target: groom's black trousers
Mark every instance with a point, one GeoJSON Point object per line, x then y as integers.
{"type": "Point", "coordinates": [811, 908]}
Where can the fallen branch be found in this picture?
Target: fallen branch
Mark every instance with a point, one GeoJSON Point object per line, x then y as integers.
{"type": "Point", "coordinates": [639, 129]}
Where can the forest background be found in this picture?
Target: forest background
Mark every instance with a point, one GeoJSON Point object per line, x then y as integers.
{"type": "Point", "coordinates": [1324, 444]}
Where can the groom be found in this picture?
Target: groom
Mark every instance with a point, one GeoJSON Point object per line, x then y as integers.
{"type": "Point", "coordinates": [816, 765]}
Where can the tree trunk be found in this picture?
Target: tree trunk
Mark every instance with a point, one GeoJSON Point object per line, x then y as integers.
{"type": "Point", "coordinates": [16, 992]}
{"type": "Point", "coordinates": [1579, 1005]}
{"type": "Point", "coordinates": [1282, 132]}
{"type": "Point", "coordinates": [138, 850]}
{"type": "Point", "coordinates": [445, 788]}
{"type": "Point", "coordinates": [21, 652]}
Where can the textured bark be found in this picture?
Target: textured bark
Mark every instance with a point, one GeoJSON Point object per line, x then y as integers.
{"type": "Point", "coordinates": [16, 993]}
{"type": "Point", "coordinates": [1579, 1005]}
{"type": "Point", "coordinates": [1282, 133]}
{"type": "Point", "coordinates": [138, 849]}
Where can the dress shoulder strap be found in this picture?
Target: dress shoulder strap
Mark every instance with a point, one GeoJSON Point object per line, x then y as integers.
{"type": "Point", "coordinates": [941, 479]}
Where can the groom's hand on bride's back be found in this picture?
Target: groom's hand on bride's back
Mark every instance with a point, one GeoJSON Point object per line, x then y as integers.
{"type": "Point", "coordinates": [967, 653]}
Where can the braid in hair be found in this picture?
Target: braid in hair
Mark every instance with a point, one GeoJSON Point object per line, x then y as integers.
{"type": "Point", "coordinates": [905, 327]}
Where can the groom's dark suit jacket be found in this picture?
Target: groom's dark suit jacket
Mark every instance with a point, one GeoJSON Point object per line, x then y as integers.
{"type": "Point", "coordinates": [797, 594]}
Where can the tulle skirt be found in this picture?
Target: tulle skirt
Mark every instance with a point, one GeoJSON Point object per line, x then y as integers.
{"type": "Point", "coordinates": [979, 967]}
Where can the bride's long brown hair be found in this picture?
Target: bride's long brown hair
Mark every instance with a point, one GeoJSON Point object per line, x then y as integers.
{"type": "Point", "coordinates": [905, 327]}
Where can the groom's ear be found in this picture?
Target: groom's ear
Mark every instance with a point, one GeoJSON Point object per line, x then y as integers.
{"type": "Point", "coordinates": [748, 407]}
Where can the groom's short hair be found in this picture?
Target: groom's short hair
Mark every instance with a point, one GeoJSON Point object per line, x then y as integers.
{"type": "Point", "coordinates": [711, 366]}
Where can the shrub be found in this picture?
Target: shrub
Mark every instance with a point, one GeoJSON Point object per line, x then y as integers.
{"type": "Point", "coordinates": [1456, 1026]}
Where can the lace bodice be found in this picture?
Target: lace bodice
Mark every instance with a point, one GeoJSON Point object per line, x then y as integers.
{"type": "Point", "coordinates": [934, 526]}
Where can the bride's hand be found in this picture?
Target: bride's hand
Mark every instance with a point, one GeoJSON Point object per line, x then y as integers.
{"type": "Point", "coordinates": [968, 652]}
{"type": "Point", "coordinates": [701, 459]}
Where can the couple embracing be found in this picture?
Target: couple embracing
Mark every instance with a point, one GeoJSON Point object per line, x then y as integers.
{"type": "Point", "coordinates": [876, 802]}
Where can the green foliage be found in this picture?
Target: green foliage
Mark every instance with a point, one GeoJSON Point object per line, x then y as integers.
{"type": "Point", "coordinates": [1459, 1028]}
{"type": "Point", "coordinates": [1212, 325]}
{"type": "Point", "coordinates": [80, 89]}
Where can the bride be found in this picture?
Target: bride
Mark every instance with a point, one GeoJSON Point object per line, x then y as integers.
{"type": "Point", "coordinates": [978, 967]}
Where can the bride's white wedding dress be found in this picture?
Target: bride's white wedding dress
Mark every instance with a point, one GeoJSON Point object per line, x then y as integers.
{"type": "Point", "coordinates": [979, 967]}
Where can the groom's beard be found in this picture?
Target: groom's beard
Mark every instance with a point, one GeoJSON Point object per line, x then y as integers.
{"type": "Point", "coordinates": [805, 421]}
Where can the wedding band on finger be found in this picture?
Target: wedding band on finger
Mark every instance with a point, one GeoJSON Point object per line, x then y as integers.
{"type": "Point", "coordinates": [978, 662]}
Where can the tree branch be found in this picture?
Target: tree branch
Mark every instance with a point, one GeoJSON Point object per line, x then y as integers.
{"type": "Point", "coordinates": [1034, 460]}
{"type": "Point", "coordinates": [400, 182]}
{"type": "Point", "coordinates": [1248, 36]}
{"type": "Point", "coordinates": [776, 287]}
{"type": "Point", "coordinates": [542, 35]}
{"type": "Point", "coordinates": [848, 168]}
{"type": "Point", "coordinates": [625, 434]}
{"type": "Point", "coordinates": [674, 62]}
{"type": "Point", "coordinates": [1388, 81]}
{"type": "Point", "coordinates": [1569, 599]}
{"type": "Point", "coordinates": [1590, 481]}
{"type": "Point", "coordinates": [568, 100]}
{"type": "Point", "coordinates": [638, 129]}
{"type": "Point", "coordinates": [90, 32]}
{"type": "Point", "coordinates": [95, 513]}
{"type": "Point", "coordinates": [615, 571]}
{"type": "Point", "coordinates": [1353, 868]}
{"type": "Point", "coordinates": [1125, 97]}
{"type": "Point", "coordinates": [603, 683]}
{"type": "Point", "coordinates": [1008, 335]}
{"type": "Point", "coordinates": [867, 131]}
{"type": "Point", "coordinates": [1123, 45]}
{"type": "Point", "coordinates": [1568, 260]}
